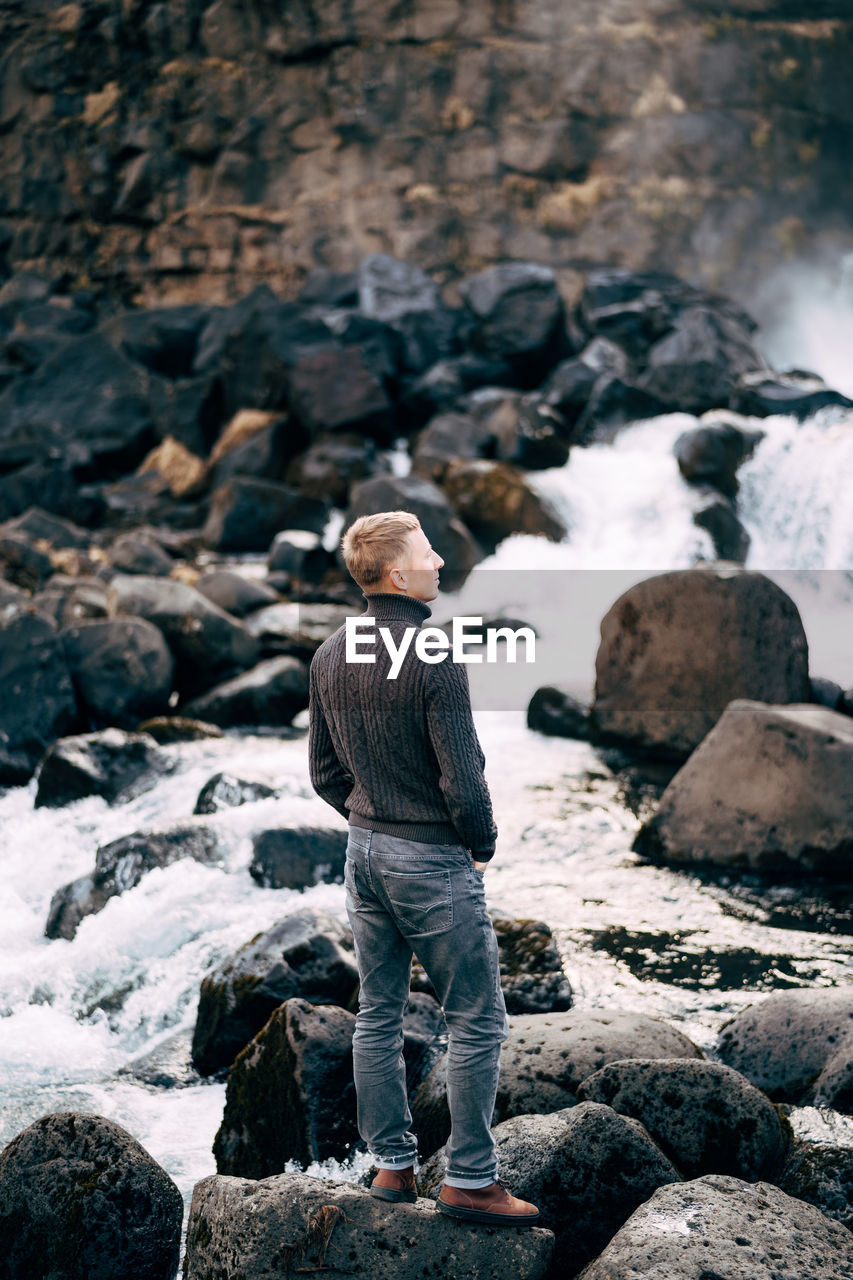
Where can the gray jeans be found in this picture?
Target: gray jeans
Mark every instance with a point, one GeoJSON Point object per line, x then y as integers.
{"type": "Point", "coordinates": [405, 897]}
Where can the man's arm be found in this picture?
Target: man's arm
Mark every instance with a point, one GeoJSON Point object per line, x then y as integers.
{"type": "Point", "coordinates": [460, 757]}
{"type": "Point", "coordinates": [329, 778]}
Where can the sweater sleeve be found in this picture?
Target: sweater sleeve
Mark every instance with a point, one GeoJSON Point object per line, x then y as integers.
{"type": "Point", "coordinates": [460, 757]}
{"type": "Point", "coordinates": [329, 778]}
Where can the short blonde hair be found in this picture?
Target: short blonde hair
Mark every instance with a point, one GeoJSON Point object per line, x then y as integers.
{"type": "Point", "coordinates": [372, 543]}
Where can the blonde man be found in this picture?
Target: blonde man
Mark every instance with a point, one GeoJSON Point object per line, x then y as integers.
{"type": "Point", "coordinates": [400, 760]}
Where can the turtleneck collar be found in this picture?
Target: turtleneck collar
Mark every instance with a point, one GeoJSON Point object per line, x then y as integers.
{"type": "Point", "coordinates": [392, 605]}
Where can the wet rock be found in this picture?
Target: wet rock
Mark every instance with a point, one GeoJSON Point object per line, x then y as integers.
{"type": "Point", "coordinates": [634, 309]}
{"type": "Point", "coordinates": [32, 663]}
{"type": "Point", "coordinates": [271, 693]}
{"type": "Point", "coordinates": [224, 791]}
{"type": "Point", "coordinates": [770, 787]}
{"type": "Point", "coordinates": [84, 1200]}
{"type": "Point", "coordinates": [112, 764]}
{"type": "Point", "coordinates": [721, 1226]}
{"type": "Point", "coordinates": [302, 557]}
{"type": "Point", "coordinates": [121, 668]}
{"type": "Point", "coordinates": [695, 367]}
{"type": "Point", "coordinates": [821, 1173]}
{"type": "Point", "coordinates": [678, 647]}
{"type": "Point", "coordinates": [826, 693]}
{"type": "Point", "coordinates": [246, 514]}
{"type": "Point", "coordinates": [544, 1061]}
{"type": "Point", "coordinates": [494, 501]}
{"type": "Point", "coordinates": [256, 443]}
{"type": "Point", "coordinates": [795, 1045]}
{"type": "Point", "coordinates": [235, 593]}
{"type": "Point", "coordinates": [206, 642]}
{"type": "Point", "coordinates": [532, 976]}
{"type": "Point", "coordinates": [239, 1228]}
{"type": "Point", "coordinates": [705, 1116]}
{"type": "Point", "coordinates": [586, 1169]}
{"type": "Point", "coordinates": [447, 436]}
{"type": "Point", "coordinates": [167, 1066]}
{"type": "Point", "coordinates": [298, 857]}
{"type": "Point", "coordinates": [614, 403]}
{"type": "Point", "coordinates": [553, 710]}
{"type": "Point", "coordinates": [404, 297]}
{"type": "Point", "coordinates": [517, 315]}
{"type": "Point", "coordinates": [760, 394]}
{"type": "Point", "coordinates": [307, 954]}
{"type": "Point", "coordinates": [166, 729]}
{"type": "Point", "coordinates": [296, 628]}
{"type": "Point", "coordinates": [330, 467]}
{"type": "Point", "coordinates": [439, 389]}
{"type": "Point", "coordinates": [119, 866]}
{"type": "Point", "coordinates": [718, 516]}
{"type": "Point", "coordinates": [711, 454]}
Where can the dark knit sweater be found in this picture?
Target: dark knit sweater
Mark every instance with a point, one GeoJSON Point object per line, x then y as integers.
{"type": "Point", "coordinates": [398, 756]}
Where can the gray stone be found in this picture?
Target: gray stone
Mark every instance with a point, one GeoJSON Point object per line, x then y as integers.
{"type": "Point", "coordinates": [298, 857]}
{"type": "Point", "coordinates": [121, 668]}
{"type": "Point", "coordinates": [678, 647]}
{"type": "Point", "coordinates": [235, 593]}
{"type": "Point", "coordinates": [111, 763]}
{"type": "Point", "coordinates": [33, 667]}
{"type": "Point", "coordinates": [137, 552]}
{"type": "Point", "coordinates": [224, 791]}
{"type": "Point", "coordinates": [81, 1199]}
{"type": "Point", "coordinates": [271, 693]}
{"type": "Point", "coordinates": [795, 1045]}
{"type": "Point", "coordinates": [711, 454]}
{"type": "Point", "coordinates": [242, 1230]}
{"type": "Point", "coordinates": [821, 1173]}
{"type": "Point", "coordinates": [553, 710]}
{"type": "Point", "coordinates": [707, 1117]}
{"type": "Point", "coordinates": [246, 514]}
{"type": "Point", "coordinates": [718, 1226]}
{"type": "Point", "coordinates": [495, 500]}
{"type": "Point", "coordinates": [307, 954]}
{"type": "Point", "coordinates": [770, 787]}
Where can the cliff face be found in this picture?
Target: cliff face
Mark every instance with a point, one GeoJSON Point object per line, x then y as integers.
{"type": "Point", "coordinates": [173, 151]}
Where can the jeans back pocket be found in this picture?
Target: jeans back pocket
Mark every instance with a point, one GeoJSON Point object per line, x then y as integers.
{"type": "Point", "coordinates": [422, 901]}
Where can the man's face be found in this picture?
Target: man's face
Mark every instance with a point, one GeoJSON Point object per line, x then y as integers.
{"type": "Point", "coordinates": [418, 575]}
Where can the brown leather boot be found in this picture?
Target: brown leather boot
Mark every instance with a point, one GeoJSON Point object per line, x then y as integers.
{"type": "Point", "coordinates": [493, 1205]}
{"type": "Point", "coordinates": [395, 1184]}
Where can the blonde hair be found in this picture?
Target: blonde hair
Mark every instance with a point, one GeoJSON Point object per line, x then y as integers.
{"type": "Point", "coordinates": [372, 543]}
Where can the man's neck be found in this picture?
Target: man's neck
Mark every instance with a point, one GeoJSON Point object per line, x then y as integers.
{"type": "Point", "coordinates": [396, 605]}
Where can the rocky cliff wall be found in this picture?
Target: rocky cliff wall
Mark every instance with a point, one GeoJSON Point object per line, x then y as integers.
{"type": "Point", "coordinates": [183, 150]}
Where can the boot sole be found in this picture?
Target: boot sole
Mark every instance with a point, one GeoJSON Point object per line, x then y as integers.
{"type": "Point", "coordinates": [488, 1219]}
{"type": "Point", "coordinates": [396, 1197]}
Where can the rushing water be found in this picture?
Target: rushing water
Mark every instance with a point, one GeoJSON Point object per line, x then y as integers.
{"type": "Point", "coordinates": [74, 1015]}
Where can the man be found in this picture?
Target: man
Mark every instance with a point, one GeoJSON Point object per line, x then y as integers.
{"type": "Point", "coordinates": [400, 760]}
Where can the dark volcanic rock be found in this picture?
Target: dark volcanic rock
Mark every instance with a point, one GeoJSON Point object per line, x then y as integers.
{"type": "Point", "coordinates": [271, 693]}
{"type": "Point", "coordinates": [821, 1173]}
{"type": "Point", "coordinates": [517, 315]}
{"type": "Point", "coordinates": [298, 857]}
{"type": "Point", "coordinates": [119, 866]}
{"type": "Point", "coordinates": [718, 516]}
{"type": "Point", "coordinates": [761, 394]}
{"type": "Point", "coordinates": [711, 455]}
{"type": "Point", "coordinates": [112, 764]}
{"type": "Point", "coordinates": [235, 593]}
{"type": "Point", "coordinates": [553, 710]}
{"type": "Point", "coordinates": [32, 663]}
{"type": "Point", "coordinates": [333, 464]}
{"type": "Point", "coordinates": [494, 501]}
{"type": "Point", "coordinates": [246, 514]}
{"type": "Point", "coordinates": [121, 668]}
{"type": "Point", "coordinates": [307, 954]}
{"type": "Point", "coordinates": [138, 552]}
{"type": "Point", "coordinates": [302, 557]}
{"type": "Point", "coordinates": [166, 729]}
{"type": "Point", "coordinates": [81, 1199]}
{"type": "Point", "coordinates": [695, 367]}
{"type": "Point", "coordinates": [223, 791]}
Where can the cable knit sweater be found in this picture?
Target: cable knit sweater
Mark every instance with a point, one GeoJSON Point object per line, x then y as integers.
{"type": "Point", "coordinates": [398, 756]}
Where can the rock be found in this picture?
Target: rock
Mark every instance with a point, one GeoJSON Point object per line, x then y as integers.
{"type": "Point", "coordinates": [297, 628]}
{"type": "Point", "coordinates": [532, 975]}
{"type": "Point", "coordinates": [760, 394]}
{"type": "Point", "coordinates": [517, 315]}
{"type": "Point", "coordinates": [302, 557]}
{"type": "Point", "coordinates": [439, 389]}
{"type": "Point", "coordinates": [224, 791]}
{"type": "Point", "coordinates": [121, 668]}
{"type": "Point", "coordinates": [239, 1228]}
{"type": "Point", "coordinates": [569, 387]}
{"type": "Point", "coordinates": [529, 433]}
{"type": "Point", "coordinates": [163, 340]}
{"type": "Point", "coordinates": [718, 516]}
{"type": "Point", "coordinates": [112, 764]}
{"type": "Point", "coordinates": [634, 309]}
{"type": "Point", "coordinates": [453, 541]}
{"type": "Point", "coordinates": [447, 436]}
{"type": "Point", "coordinates": [166, 729]}
{"type": "Point", "coordinates": [821, 1173]}
{"type": "Point", "coordinates": [826, 693]}
{"type": "Point", "coordinates": [84, 1200]}
{"type": "Point", "coordinates": [246, 514]}
{"type": "Point", "coordinates": [85, 601]}
{"type": "Point", "coordinates": [706, 1117]}
{"type": "Point", "coordinates": [404, 297]}
{"type": "Point", "coordinates": [207, 643]}
{"type": "Point", "coordinates": [720, 1226]}
{"type": "Point", "coordinates": [555, 711]}
{"type": "Point", "coordinates": [494, 501]}
{"type": "Point", "coordinates": [182, 472]}
{"type": "Point", "coordinates": [167, 1066]}
{"type": "Point", "coordinates": [23, 563]}
{"type": "Point", "coordinates": [793, 1045]}
{"type": "Point", "coordinates": [769, 788]}
{"type": "Point", "coordinates": [41, 526]}
{"type": "Point", "coordinates": [333, 463]}
{"type": "Point", "coordinates": [711, 454]}
{"type": "Point", "coordinates": [678, 647]}
{"type": "Point", "coordinates": [695, 367]}
{"type": "Point", "coordinates": [307, 954]}
{"type": "Point", "coordinates": [256, 443]}
{"type": "Point", "coordinates": [33, 668]}
{"type": "Point", "coordinates": [271, 693]}
{"type": "Point", "coordinates": [586, 1168]}
{"type": "Point", "coordinates": [326, 288]}
{"type": "Point", "coordinates": [544, 1061]}
{"type": "Point", "coordinates": [235, 593]}
{"type": "Point", "coordinates": [119, 866]}
{"type": "Point", "coordinates": [298, 857]}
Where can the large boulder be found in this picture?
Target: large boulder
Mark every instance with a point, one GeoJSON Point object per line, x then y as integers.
{"type": "Point", "coordinates": [234, 592]}
{"type": "Point", "coordinates": [333, 463]}
{"type": "Point", "coordinates": [720, 1226]}
{"type": "Point", "coordinates": [586, 1169]}
{"type": "Point", "coordinates": [707, 1117]}
{"type": "Point", "coordinates": [246, 514]}
{"type": "Point", "coordinates": [517, 315]}
{"type": "Point", "coordinates": [119, 866]}
{"type": "Point", "coordinates": [821, 1173]}
{"type": "Point", "coordinates": [224, 791]}
{"type": "Point", "coordinates": [307, 954]}
{"type": "Point", "coordinates": [795, 1045]}
{"type": "Point", "coordinates": [678, 647]}
{"type": "Point", "coordinates": [696, 366]}
{"type": "Point", "coordinates": [494, 500]}
{"type": "Point", "coordinates": [111, 763]}
{"type": "Point", "coordinates": [271, 693]}
{"type": "Point", "coordinates": [83, 1200]}
{"type": "Point", "coordinates": [121, 668]}
{"type": "Point", "coordinates": [544, 1061]}
{"type": "Point", "coordinates": [241, 1230]}
{"type": "Point", "coordinates": [298, 857]}
{"type": "Point", "coordinates": [769, 788]}
{"type": "Point", "coordinates": [39, 704]}
{"type": "Point", "coordinates": [206, 642]}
